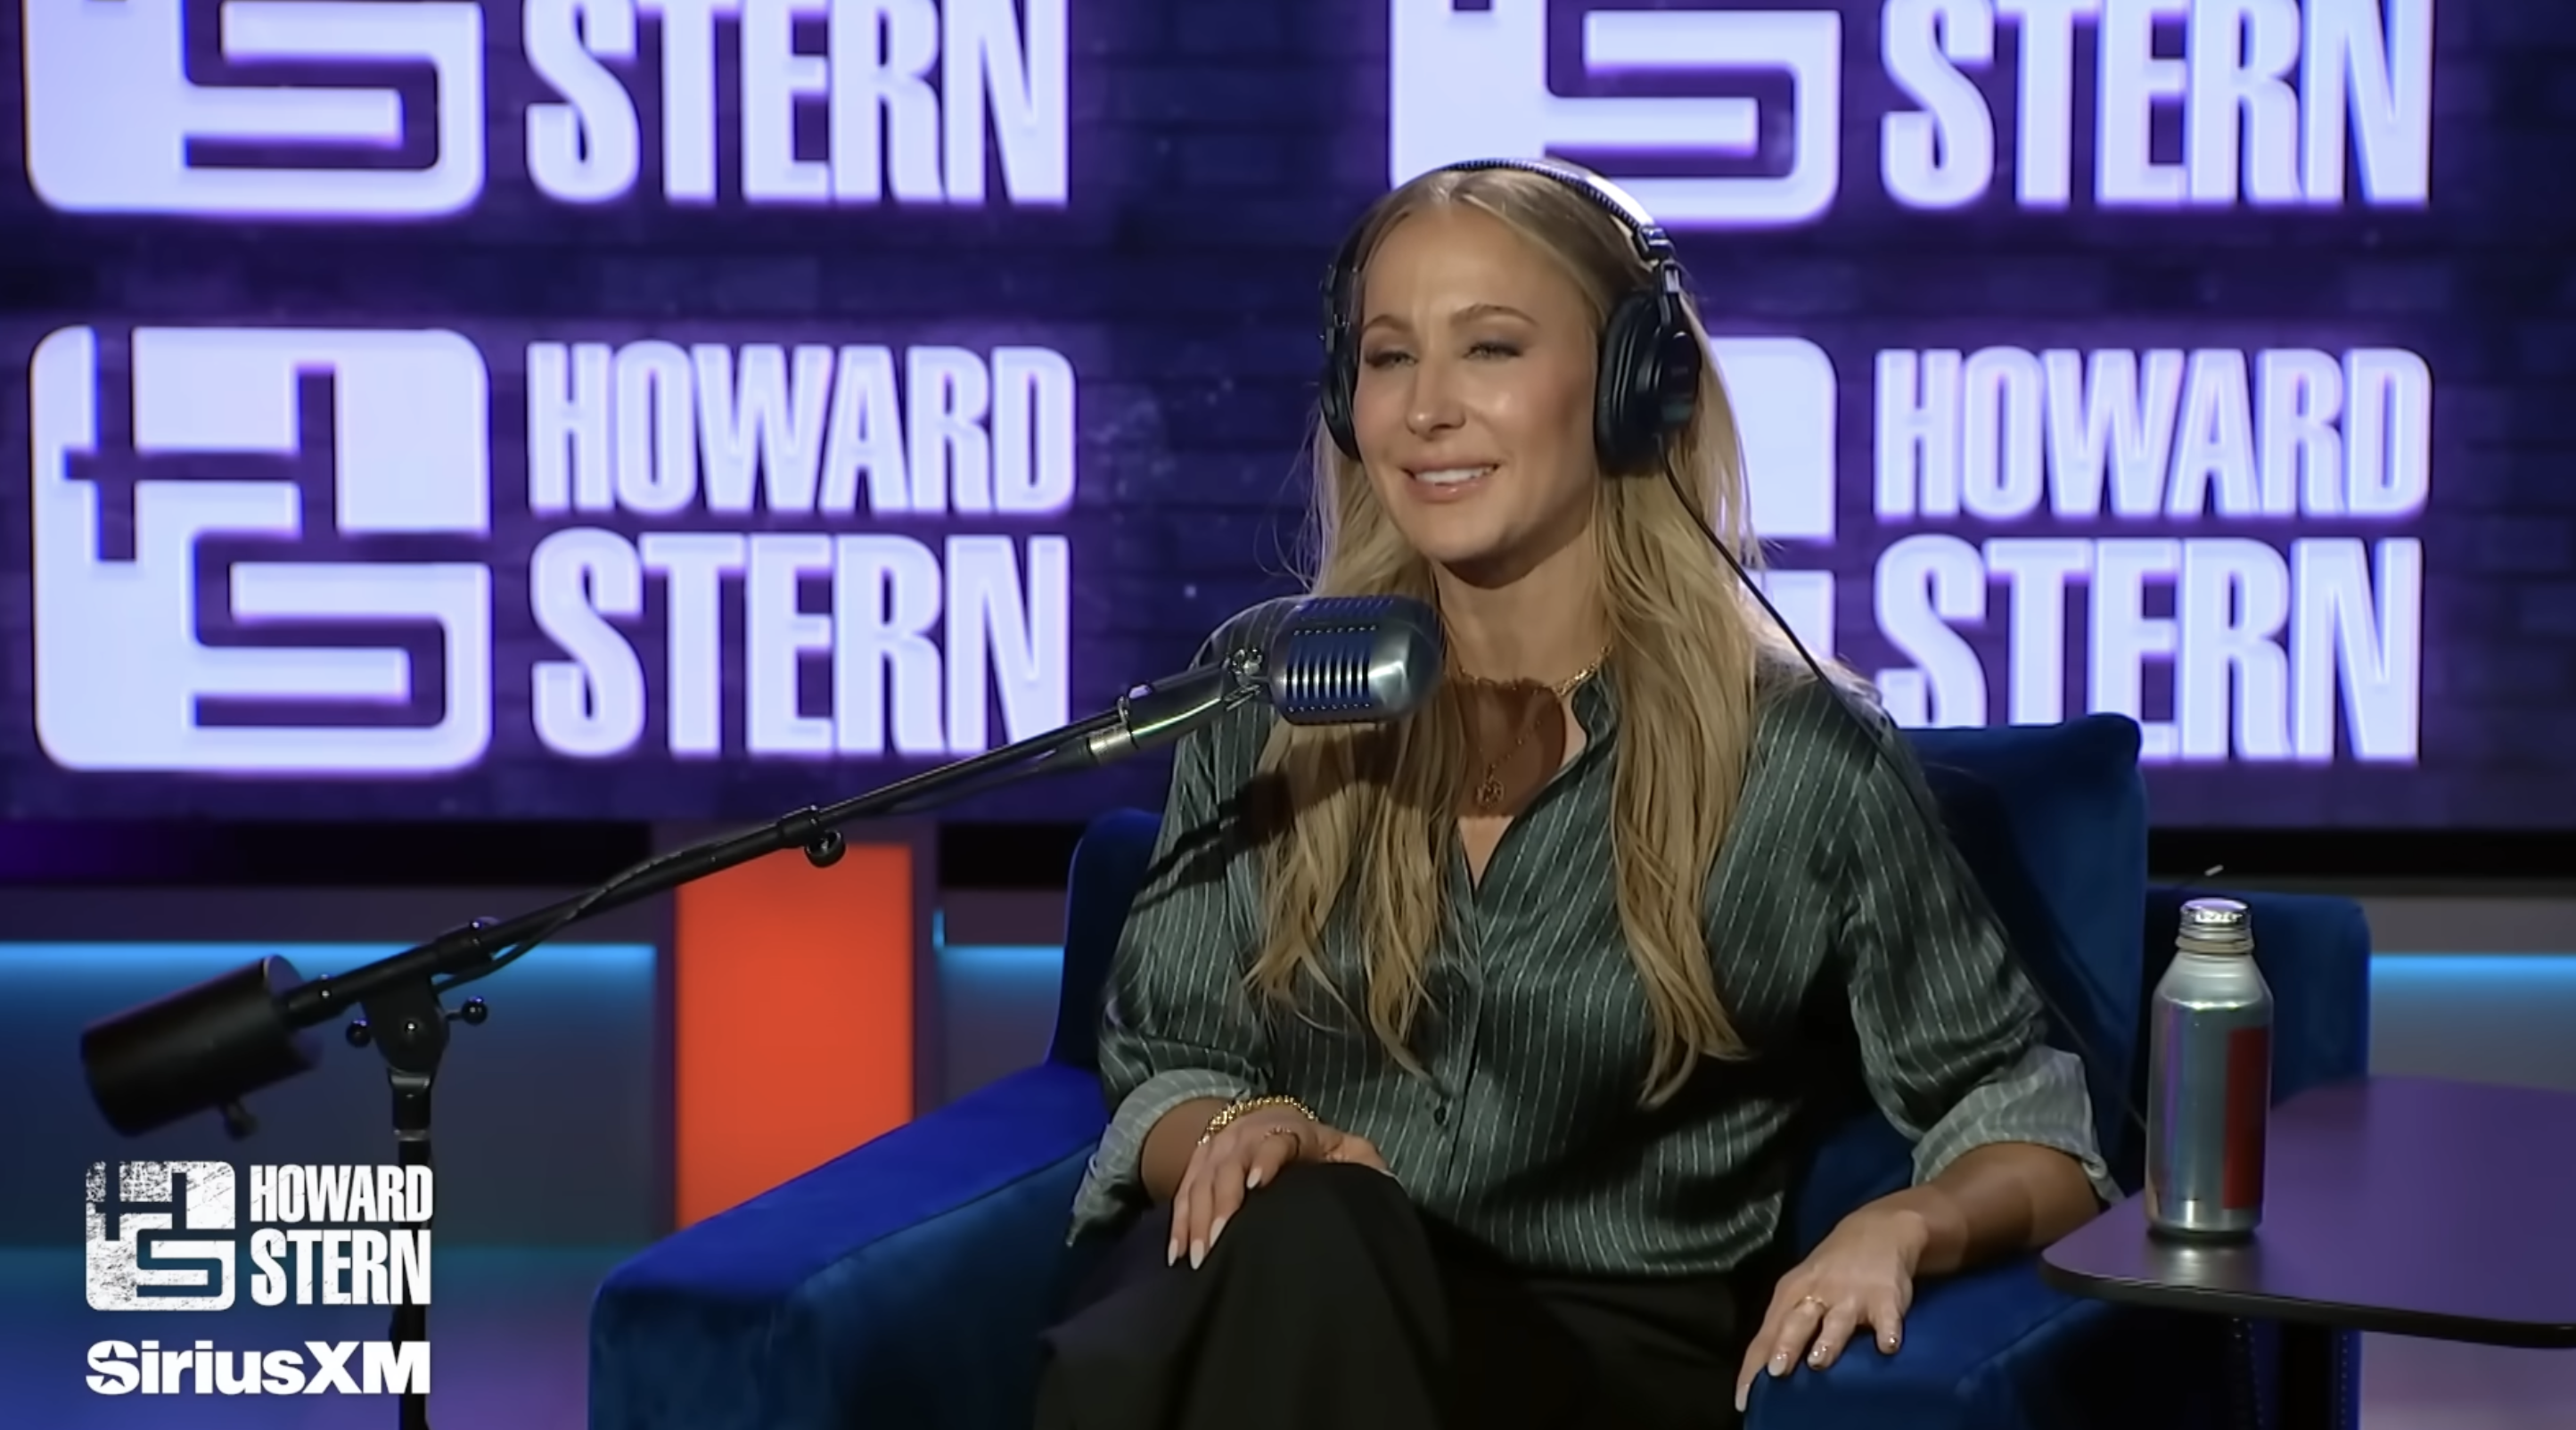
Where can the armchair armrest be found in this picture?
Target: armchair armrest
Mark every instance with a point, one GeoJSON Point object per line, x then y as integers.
{"type": "Point", "coordinates": [1996, 1349]}
{"type": "Point", "coordinates": [903, 1283]}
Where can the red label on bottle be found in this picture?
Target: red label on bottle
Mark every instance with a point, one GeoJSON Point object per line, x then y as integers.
{"type": "Point", "coordinates": [2249, 1095]}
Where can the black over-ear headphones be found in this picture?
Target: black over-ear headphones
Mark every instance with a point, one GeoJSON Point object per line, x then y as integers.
{"type": "Point", "coordinates": [1650, 363]}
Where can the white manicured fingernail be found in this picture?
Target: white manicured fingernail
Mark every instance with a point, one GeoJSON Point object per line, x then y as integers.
{"type": "Point", "coordinates": [1252, 1179]}
{"type": "Point", "coordinates": [1198, 1254]}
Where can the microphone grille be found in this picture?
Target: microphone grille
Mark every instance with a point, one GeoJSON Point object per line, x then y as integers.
{"type": "Point", "coordinates": [1352, 659]}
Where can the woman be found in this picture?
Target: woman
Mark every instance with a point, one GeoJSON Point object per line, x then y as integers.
{"type": "Point", "coordinates": [1456, 1064]}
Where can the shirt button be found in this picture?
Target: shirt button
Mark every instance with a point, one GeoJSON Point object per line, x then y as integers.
{"type": "Point", "coordinates": [1440, 1115]}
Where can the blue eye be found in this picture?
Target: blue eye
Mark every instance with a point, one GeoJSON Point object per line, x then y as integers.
{"type": "Point", "coordinates": [1385, 357]}
{"type": "Point", "coordinates": [1494, 350]}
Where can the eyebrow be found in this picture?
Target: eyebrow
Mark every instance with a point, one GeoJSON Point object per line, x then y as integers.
{"type": "Point", "coordinates": [1468, 314]}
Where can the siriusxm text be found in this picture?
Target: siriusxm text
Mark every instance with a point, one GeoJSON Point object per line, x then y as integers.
{"type": "Point", "coordinates": [318, 1368]}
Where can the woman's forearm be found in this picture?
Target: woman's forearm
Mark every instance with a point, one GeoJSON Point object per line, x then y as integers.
{"type": "Point", "coordinates": [1996, 1200]}
{"type": "Point", "coordinates": [1171, 1141]}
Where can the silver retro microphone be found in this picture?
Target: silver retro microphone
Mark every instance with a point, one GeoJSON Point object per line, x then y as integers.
{"type": "Point", "coordinates": [1334, 660]}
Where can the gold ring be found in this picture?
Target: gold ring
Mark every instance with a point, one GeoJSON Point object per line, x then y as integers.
{"type": "Point", "coordinates": [1816, 1301]}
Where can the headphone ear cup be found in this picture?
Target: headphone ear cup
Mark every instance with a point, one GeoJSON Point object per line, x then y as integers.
{"type": "Point", "coordinates": [1627, 418]}
{"type": "Point", "coordinates": [1340, 374]}
{"type": "Point", "coordinates": [1679, 365]}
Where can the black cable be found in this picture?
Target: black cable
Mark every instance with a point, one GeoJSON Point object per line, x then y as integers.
{"type": "Point", "coordinates": [572, 914]}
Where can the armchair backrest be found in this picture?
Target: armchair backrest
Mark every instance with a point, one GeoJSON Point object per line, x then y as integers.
{"type": "Point", "coordinates": [1108, 869]}
{"type": "Point", "coordinates": [2053, 820]}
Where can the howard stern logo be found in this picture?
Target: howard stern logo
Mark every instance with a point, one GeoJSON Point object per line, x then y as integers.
{"type": "Point", "coordinates": [169, 1236]}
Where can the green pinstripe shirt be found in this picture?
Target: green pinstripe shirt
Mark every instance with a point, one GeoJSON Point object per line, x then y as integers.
{"type": "Point", "coordinates": [1851, 957]}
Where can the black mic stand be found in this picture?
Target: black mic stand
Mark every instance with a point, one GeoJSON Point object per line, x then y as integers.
{"type": "Point", "coordinates": [408, 1024]}
{"type": "Point", "coordinates": [400, 997]}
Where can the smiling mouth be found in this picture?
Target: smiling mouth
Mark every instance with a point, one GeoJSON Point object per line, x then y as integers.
{"type": "Point", "coordinates": [1449, 476]}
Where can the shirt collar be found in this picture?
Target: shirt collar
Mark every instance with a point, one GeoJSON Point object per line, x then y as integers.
{"type": "Point", "coordinates": [1596, 704]}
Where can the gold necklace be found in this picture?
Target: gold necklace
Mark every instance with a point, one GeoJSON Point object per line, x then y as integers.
{"type": "Point", "coordinates": [1489, 787]}
{"type": "Point", "coordinates": [1563, 688]}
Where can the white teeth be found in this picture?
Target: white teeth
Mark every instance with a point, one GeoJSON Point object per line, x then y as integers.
{"type": "Point", "coordinates": [1451, 476]}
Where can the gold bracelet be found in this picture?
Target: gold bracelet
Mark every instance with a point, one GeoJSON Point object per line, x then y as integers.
{"type": "Point", "coordinates": [1233, 1110]}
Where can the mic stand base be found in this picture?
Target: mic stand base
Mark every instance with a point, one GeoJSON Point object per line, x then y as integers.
{"type": "Point", "coordinates": [408, 1025]}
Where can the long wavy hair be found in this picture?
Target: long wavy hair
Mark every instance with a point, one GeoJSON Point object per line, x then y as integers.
{"type": "Point", "coordinates": [1368, 817]}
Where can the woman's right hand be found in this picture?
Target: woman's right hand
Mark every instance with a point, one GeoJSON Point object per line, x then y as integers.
{"type": "Point", "coordinates": [1245, 1155]}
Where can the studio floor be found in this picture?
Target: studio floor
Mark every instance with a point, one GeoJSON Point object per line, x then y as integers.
{"type": "Point", "coordinates": [510, 1337]}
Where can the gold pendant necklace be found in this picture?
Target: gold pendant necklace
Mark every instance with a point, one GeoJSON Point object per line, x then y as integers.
{"type": "Point", "coordinates": [1489, 790]}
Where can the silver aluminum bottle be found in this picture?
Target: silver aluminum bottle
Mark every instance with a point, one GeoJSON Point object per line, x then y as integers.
{"type": "Point", "coordinates": [2209, 1080]}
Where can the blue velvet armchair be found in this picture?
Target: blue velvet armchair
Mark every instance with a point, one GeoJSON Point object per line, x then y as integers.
{"type": "Point", "coordinates": [906, 1282]}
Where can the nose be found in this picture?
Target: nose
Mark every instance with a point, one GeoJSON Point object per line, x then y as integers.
{"type": "Point", "coordinates": [1433, 407]}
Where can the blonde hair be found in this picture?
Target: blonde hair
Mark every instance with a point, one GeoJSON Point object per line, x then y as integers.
{"type": "Point", "coordinates": [1368, 811]}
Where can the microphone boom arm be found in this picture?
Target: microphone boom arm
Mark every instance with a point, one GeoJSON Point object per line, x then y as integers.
{"type": "Point", "coordinates": [1160, 713]}
{"type": "Point", "coordinates": [214, 1044]}
{"type": "Point", "coordinates": [470, 950]}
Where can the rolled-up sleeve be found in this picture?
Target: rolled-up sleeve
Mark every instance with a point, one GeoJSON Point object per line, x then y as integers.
{"type": "Point", "coordinates": [1177, 1023]}
{"type": "Point", "coordinates": [1951, 1031]}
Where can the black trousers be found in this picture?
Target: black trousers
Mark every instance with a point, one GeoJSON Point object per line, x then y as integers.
{"type": "Point", "coordinates": [1330, 1301]}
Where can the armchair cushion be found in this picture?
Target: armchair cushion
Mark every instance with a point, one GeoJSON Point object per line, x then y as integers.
{"type": "Point", "coordinates": [1998, 1348]}
{"type": "Point", "coordinates": [903, 1283]}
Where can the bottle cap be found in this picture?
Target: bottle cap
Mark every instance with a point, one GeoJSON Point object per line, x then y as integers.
{"type": "Point", "coordinates": [2216, 926]}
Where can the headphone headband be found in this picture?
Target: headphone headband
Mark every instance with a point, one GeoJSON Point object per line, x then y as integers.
{"type": "Point", "coordinates": [1654, 247]}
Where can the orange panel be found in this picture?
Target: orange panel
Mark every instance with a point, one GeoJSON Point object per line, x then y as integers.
{"type": "Point", "coordinates": [793, 1019]}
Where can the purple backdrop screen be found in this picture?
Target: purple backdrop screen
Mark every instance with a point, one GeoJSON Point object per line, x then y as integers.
{"type": "Point", "coordinates": [699, 408]}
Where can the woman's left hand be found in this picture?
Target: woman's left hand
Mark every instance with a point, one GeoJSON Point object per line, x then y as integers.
{"type": "Point", "coordinates": [1861, 1275]}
